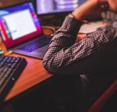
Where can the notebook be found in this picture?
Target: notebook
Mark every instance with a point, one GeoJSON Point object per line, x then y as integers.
{"type": "Point", "coordinates": [21, 30]}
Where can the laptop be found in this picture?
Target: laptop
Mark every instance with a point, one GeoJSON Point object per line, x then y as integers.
{"type": "Point", "coordinates": [21, 30]}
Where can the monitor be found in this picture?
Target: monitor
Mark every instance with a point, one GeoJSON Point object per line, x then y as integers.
{"type": "Point", "coordinates": [56, 6]}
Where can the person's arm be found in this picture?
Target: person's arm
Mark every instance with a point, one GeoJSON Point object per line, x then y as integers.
{"type": "Point", "coordinates": [90, 5]}
{"type": "Point", "coordinates": [63, 51]}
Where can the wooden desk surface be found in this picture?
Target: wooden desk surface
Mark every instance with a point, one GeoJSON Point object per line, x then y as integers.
{"type": "Point", "coordinates": [33, 74]}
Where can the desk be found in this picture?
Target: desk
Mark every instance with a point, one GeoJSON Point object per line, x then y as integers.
{"type": "Point", "coordinates": [33, 74]}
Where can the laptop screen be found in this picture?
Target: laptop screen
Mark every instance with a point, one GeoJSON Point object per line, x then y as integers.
{"type": "Point", "coordinates": [18, 24]}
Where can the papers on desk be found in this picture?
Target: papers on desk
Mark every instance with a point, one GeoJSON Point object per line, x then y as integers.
{"type": "Point", "coordinates": [91, 26]}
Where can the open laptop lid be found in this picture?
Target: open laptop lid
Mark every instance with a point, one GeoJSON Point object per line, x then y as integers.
{"type": "Point", "coordinates": [19, 23]}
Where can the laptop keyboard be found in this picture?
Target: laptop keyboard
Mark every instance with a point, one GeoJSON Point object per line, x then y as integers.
{"type": "Point", "coordinates": [10, 68]}
{"type": "Point", "coordinates": [35, 44]}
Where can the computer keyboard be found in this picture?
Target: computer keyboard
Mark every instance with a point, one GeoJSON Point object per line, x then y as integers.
{"type": "Point", "coordinates": [35, 44]}
{"type": "Point", "coordinates": [10, 68]}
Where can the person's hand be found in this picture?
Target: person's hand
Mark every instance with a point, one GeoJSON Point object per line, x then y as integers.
{"type": "Point", "coordinates": [81, 12]}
